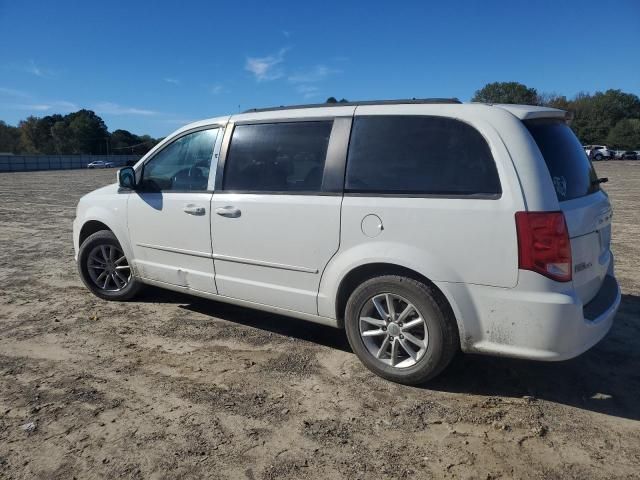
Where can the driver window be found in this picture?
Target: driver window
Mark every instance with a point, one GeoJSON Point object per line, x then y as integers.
{"type": "Point", "coordinates": [183, 165]}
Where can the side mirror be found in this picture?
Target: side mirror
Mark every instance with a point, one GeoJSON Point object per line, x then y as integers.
{"type": "Point", "coordinates": [127, 178]}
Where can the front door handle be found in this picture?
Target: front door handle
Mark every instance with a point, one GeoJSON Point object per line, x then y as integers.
{"type": "Point", "coordinates": [228, 211]}
{"type": "Point", "coordinates": [194, 210]}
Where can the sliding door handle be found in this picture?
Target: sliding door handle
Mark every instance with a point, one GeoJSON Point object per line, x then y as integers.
{"type": "Point", "coordinates": [228, 211]}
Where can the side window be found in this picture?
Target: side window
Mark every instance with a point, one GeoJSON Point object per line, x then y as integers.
{"type": "Point", "coordinates": [277, 157]}
{"type": "Point", "coordinates": [419, 155]}
{"type": "Point", "coordinates": [182, 165]}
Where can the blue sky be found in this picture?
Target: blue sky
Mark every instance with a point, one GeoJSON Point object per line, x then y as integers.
{"type": "Point", "coordinates": [151, 67]}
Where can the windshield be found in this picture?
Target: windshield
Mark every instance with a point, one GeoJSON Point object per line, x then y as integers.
{"type": "Point", "coordinates": [571, 170]}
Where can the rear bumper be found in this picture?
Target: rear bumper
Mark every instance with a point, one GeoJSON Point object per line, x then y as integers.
{"type": "Point", "coordinates": [532, 324]}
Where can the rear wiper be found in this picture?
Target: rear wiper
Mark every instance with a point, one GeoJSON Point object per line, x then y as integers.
{"type": "Point", "coordinates": [598, 181]}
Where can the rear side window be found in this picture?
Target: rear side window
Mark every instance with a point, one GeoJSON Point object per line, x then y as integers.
{"type": "Point", "coordinates": [571, 170]}
{"type": "Point", "coordinates": [277, 157]}
{"type": "Point", "coordinates": [419, 155]}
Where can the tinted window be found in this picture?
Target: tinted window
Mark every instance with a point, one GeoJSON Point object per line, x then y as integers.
{"type": "Point", "coordinates": [571, 170]}
{"type": "Point", "coordinates": [419, 155]}
{"type": "Point", "coordinates": [182, 165]}
{"type": "Point", "coordinates": [277, 157]}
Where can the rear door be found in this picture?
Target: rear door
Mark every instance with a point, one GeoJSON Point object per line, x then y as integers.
{"type": "Point", "coordinates": [585, 206]}
{"type": "Point", "coordinates": [275, 219]}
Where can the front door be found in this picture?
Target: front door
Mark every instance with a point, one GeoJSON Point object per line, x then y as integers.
{"type": "Point", "coordinates": [169, 213]}
{"type": "Point", "coordinates": [274, 224]}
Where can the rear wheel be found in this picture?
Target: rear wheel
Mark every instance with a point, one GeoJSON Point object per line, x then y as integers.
{"type": "Point", "coordinates": [401, 329]}
{"type": "Point", "coordinates": [104, 268]}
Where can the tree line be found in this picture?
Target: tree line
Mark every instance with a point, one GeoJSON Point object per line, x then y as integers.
{"type": "Point", "coordinates": [609, 118]}
{"type": "Point", "coordinates": [81, 132]}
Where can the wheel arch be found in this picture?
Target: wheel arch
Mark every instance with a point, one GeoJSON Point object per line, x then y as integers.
{"type": "Point", "coordinates": [98, 218]}
{"type": "Point", "coordinates": [364, 272]}
{"type": "Point", "coordinates": [90, 227]}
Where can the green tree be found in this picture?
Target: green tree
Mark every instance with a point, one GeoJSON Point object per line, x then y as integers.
{"type": "Point", "coordinates": [595, 115]}
{"type": "Point", "coordinates": [145, 144]}
{"type": "Point", "coordinates": [331, 100]}
{"type": "Point", "coordinates": [31, 138]}
{"type": "Point", "coordinates": [554, 100]}
{"type": "Point", "coordinates": [81, 132]}
{"type": "Point", "coordinates": [122, 140]}
{"type": "Point", "coordinates": [506, 92]}
{"type": "Point", "coordinates": [625, 134]}
{"type": "Point", "coordinates": [9, 138]}
{"type": "Point", "coordinates": [62, 137]}
{"type": "Point", "coordinates": [88, 131]}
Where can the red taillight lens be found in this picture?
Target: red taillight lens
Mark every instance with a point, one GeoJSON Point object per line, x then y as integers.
{"type": "Point", "coordinates": [544, 245]}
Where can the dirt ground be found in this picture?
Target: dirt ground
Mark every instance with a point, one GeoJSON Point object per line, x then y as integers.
{"type": "Point", "coordinates": [171, 386]}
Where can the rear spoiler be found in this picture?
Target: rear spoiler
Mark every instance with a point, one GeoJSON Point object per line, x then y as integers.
{"type": "Point", "coordinates": [529, 112]}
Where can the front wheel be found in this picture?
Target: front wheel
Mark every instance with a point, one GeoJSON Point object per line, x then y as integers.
{"type": "Point", "coordinates": [401, 329]}
{"type": "Point", "coordinates": [104, 268]}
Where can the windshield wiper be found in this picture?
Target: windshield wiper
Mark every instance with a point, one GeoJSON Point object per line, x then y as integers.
{"type": "Point", "coordinates": [598, 181]}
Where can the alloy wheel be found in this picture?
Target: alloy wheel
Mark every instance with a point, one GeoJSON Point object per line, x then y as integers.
{"type": "Point", "coordinates": [393, 330]}
{"type": "Point", "coordinates": [108, 268]}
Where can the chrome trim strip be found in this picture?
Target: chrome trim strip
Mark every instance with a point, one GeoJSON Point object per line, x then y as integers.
{"type": "Point", "coordinates": [193, 253]}
{"type": "Point", "coordinates": [227, 258]}
{"type": "Point", "coordinates": [260, 263]}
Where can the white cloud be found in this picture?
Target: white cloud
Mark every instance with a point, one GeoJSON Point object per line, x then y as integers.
{"type": "Point", "coordinates": [63, 105]}
{"type": "Point", "coordinates": [116, 109]}
{"type": "Point", "coordinates": [36, 107]}
{"type": "Point", "coordinates": [308, 91]}
{"type": "Point", "coordinates": [286, 33]}
{"type": "Point", "coordinates": [57, 106]}
{"type": "Point", "coordinates": [317, 73]}
{"type": "Point", "coordinates": [216, 89]}
{"type": "Point", "coordinates": [10, 92]}
{"type": "Point", "coordinates": [37, 70]}
{"type": "Point", "coordinates": [174, 81]}
{"type": "Point", "coordinates": [266, 68]}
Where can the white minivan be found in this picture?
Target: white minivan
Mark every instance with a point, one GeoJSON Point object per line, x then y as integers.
{"type": "Point", "coordinates": [420, 227]}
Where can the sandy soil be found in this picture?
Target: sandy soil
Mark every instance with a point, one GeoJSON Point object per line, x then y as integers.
{"type": "Point", "coordinates": [171, 386]}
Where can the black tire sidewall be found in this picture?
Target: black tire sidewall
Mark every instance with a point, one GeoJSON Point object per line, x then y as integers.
{"type": "Point", "coordinates": [103, 237]}
{"type": "Point", "coordinates": [435, 358]}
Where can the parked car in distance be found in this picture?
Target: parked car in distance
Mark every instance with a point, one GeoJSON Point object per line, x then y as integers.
{"type": "Point", "coordinates": [420, 228]}
{"type": "Point", "coordinates": [599, 152]}
{"type": "Point", "coordinates": [629, 155]}
{"type": "Point", "coordinates": [100, 164]}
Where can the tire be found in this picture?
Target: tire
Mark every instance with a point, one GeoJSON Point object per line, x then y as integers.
{"type": "Point", "coordinates": [95, 260]}
{"type": "Point", "coordinates": [598, 157]}
{"type": "Point", "coordinates": [440, 329]}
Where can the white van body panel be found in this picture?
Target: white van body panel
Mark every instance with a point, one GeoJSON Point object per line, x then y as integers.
{"type": "Point", "coordinates": [107, 206]}
{"type": "Point", "coordinates": [275, 251]}
{"type": "Point", "coordinates": [162, 251]}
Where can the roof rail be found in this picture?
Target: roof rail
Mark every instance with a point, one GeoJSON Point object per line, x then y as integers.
{"type": "Point", "coordinates": [366, 102]}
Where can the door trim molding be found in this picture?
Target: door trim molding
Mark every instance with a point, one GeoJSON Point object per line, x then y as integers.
{"type": "Point", "coordinates": [183, 251]}
{"type": "Point", "coordinates": [227, 258]}
{"type": "Point", "coordinates": [260, 263]}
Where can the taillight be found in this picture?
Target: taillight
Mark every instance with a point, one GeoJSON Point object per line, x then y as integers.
{"type": "Point", "coordinates": [544, 245]}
